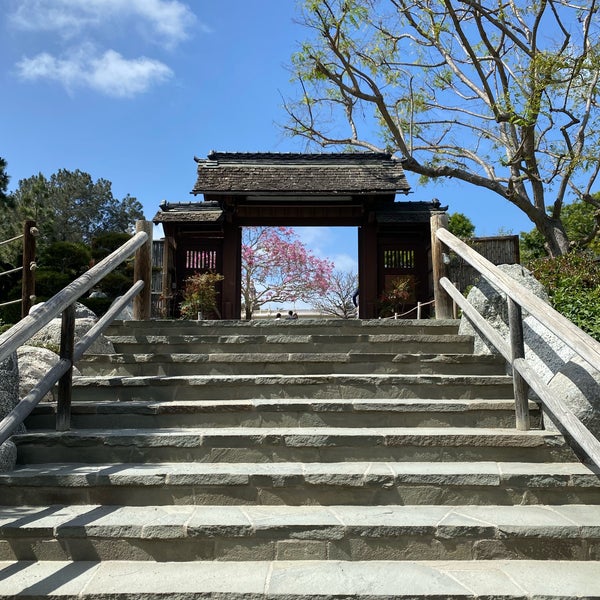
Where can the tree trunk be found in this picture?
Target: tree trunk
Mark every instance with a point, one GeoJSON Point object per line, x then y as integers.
{"type": "Point", "coordinates": [553, 231]}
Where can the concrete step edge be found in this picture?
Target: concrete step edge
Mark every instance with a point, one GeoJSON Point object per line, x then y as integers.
{"type": "Point", "coordinates": [285, 357]}
{"type": "Point", "coordinates": [245, 380]}
{"type": "Point", "coordinates": [531, 475]}
{"type": "Point", "coordinates": [517, 580]}
{"type": "Point", "coordinates": [304, 436]}
{"type": "Point", "coordinates": [286, 404]}
{"type": "Point", "coordinates": [573, 521]}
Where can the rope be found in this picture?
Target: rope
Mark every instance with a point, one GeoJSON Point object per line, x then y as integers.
{"type": "Point", "coordinates": [419, 305]}
{"type": "Point", "coordinates": [11, 240]}
{"type": "Point", "coordinates": [11, 302]}
{"type": "Point", "coordinates": [11, 271]}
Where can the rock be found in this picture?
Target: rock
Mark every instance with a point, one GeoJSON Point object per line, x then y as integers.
{"type": "Point", "coordinates": [127, 313]}
{"type": "Point", "coordinates": [8, 456]}
{"type": "Point", "coordinates": [491, 304]}
{"type": "Point", "coordinates": [49, 336]}
{"type": "Point", "coordinates": [577, 384]}
{"type": "Point", "coordinates": [9, 384]}
{"type": "Point", "coordinates": [9, 397]}
{"type": "Point", "coordinates": [570, 378]}
{"type": "Point", "coordinates": [34, 363]}
{"type": "Point", "coordinates": [81, 311]}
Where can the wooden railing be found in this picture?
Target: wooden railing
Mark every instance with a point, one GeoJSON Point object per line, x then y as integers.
{"type": "Point", "coordinates": [524, 376]}
{"type": "Point", "coordinates": [28, 237]}
{"type": "Point", "coordinates": [64, 303]}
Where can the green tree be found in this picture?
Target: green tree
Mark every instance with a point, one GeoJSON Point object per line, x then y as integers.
{"type": "Point", "coordinates": [582, 224]}
{"type": "Point", "coordinates": [461, 226]}
{"type": "Point", "coordinates": [501, 95]}
{"type": "Point", "coordinates": [573, 284]}
{"type": "Point", "coordinates": [4, 179]}
{"type": "Point", "coordinates": [70, 207]}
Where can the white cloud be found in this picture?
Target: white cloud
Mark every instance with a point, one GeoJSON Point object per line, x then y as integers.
{"type": "Point", "coordinates": [108, 73]}
{"type": "Point", "coordinates": [344, 262]}
{"type": "Point", "coordinates": [168, 20]}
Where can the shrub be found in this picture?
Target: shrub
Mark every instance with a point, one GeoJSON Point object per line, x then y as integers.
{"type": "Point", "coordinates": [200, 295]}
{"type": "Point", "coordinates": [573, 284]}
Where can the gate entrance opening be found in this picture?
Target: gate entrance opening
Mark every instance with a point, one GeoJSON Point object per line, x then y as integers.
{"type": "Point", "coordinates": [268, 189]}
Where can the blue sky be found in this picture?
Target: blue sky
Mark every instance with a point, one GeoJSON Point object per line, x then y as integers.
{"type": "Point", "coordinates": [132, 90]}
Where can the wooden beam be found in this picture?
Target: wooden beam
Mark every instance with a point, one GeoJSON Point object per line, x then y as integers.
{"type": "Point", "coordinates": [142, 271]}
{"type": "Point", "coordinates": [443, 302]}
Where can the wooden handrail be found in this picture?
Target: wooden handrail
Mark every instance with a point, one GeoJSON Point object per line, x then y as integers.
{"type": "Point", "coordinates": [17, 335]}
{"type": "Point", "coordinates": [579, 341]}
{"type": "Point", "coordinates": [63, 303]}
{"type": "Point", "coordinates": [520, 298]}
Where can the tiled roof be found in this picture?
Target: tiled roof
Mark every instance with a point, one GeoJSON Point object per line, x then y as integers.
{"type": "Point", "coordinates": [194, 212]}
{"type": "Point", "coordinates": [293, 174]}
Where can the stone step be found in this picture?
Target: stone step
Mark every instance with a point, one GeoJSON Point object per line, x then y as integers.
{"type": "Point", "coordinates": [302, 580]}
{"type": "Point", "coordinates": [232, 533]}
{"type": "Point", "coordinates": [299, 484]}
{"type": "Point", "coordinates": [238, 387]}
{"type": "Point", "coordinates": [198, 344]}
{"type": "Point", "coordinates": [351, 412]}
{"type": "Point", "coordinates": [290, 363]}
{"type": "Point", "coordinates": [303, 444]}
{"type": "Point", "coordinates": [301, 326]}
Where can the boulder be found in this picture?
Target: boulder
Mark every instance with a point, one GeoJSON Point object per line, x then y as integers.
{"type": "Point", "coordinates": [49, 336]}
{"type": "Point", "coordinates": [491, 304]}
{"type": "Point", "coordinates": [577, 384]}
{"type": "Point", "coordinates": [34, 363]}
{"type": "Point", "coordinates": [8, 456]}
{"type": "Point", "coordinates": [81, 311]}
{"type": "Point", "coordinates": [9, 384]}
{"type": "Point", "coordinates": [570, 378]}
{"type": "Point", "coordinates": [9, 397]}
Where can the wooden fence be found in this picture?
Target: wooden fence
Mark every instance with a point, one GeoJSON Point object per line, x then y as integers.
{"type": "Point", "coordinates": [500, 250]}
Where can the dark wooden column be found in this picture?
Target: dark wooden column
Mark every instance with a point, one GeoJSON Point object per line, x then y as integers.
{"type": "Point", "coordinates": [367, 270]}
{"type": "Point", "coordinates": [232, 264]}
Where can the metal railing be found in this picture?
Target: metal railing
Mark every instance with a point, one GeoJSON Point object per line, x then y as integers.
{"type": "Point", "coordinates": [524, 376]}
{"type": "Point", "coordinates": [63, 303]}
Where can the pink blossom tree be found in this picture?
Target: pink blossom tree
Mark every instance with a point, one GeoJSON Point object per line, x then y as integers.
{"type": "Point", "coordinates": [277, 267]}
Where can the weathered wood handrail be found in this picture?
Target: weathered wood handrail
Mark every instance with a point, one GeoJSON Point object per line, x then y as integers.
{"type": "Point", "coordinates": [16, 336]}
{"type": "Point", "coordinates": [520, 298]}
{"type": "Point", "coordinates": [579, 341]}
{"type": "Point", "coordinates": [63, 303]}
{"type": "Point", "coordinates": [29, 402]}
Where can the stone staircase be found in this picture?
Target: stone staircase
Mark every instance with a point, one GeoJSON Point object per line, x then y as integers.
{"type": "Point", "coordinates": [296, 459]}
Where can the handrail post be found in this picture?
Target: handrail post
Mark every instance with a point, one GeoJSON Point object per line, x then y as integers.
{"type": "Point", "coordinates": [67, 347]}
{"type": "Point", "coordinates": [443, 302]}
{"type": "Point", "coordinates": [142, 270]}
{"type": "Point", "coordinates": [517, 350]}
{"type": "Point", "coordinates": [28, 281]}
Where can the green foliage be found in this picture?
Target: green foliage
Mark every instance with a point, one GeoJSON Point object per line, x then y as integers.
{"type": "Point", "coordinates": [70, 207]}
{"type": "Point", "coordinates": [4, 179]}
{"type": "Point", "coordinates": [49, 282]}
{"type": "Point", "coordinates": [106, 243]}
{"type": "Point", "coordinates": [573, 284]}
{"type": "Point", "coordinates": [501, 95]}
{"type": "Point", "coordinates": [115, 283]}
{"type": "Point", "coordinates": [97, 305]}
{"type": "Point", "coordinates": [531, 246]}
{"type": "Point", "coordinates": [579, 220]}
{"type": "Point", "coordinates": [394, 299]}
{"type": "Point", "coordinates": [72, 258]}
{"type": "Point", "coordinates": [461, 226]}
{"type": "Point", "coordinates": [200, 295]}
